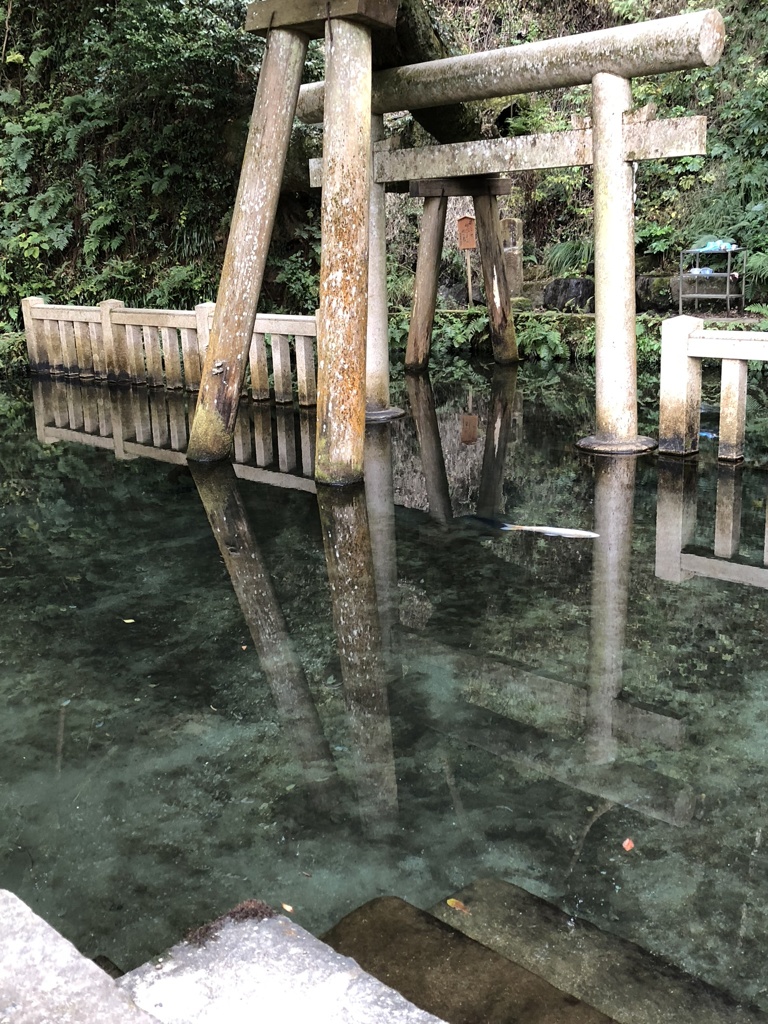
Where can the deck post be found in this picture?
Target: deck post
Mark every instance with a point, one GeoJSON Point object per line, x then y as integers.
{"type": "Point", "coordinates": [343, 312]}
{"type": "Point", "coordinates": [679, 388]}
{"type": "Point", "coordinates": [615, 355]}
{"type": "Point", "coordinates": [249, 238]}
{"type": "Point", "coordinates": [431, 235]}
{"type": "Point", "coordinates": [490, 241]}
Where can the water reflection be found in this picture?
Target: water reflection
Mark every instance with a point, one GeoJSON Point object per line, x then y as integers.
{"type": "Point", "coordinates": [464, 706]}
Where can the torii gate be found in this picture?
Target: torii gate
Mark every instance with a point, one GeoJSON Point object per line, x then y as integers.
{"type": "Point", "coordinates": [345, 102]}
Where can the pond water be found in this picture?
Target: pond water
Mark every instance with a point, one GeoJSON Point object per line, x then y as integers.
{"type": "Point", "coordinates": [218, 688]}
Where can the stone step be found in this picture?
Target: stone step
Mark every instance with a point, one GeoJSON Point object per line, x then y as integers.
{"type": "Point", "coordinates": [447, 973]}
{"type": "Point", "coordinates": [621, 979]}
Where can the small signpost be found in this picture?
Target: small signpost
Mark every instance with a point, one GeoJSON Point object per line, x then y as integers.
{"type": "Point", "coordinates": [467, 242]}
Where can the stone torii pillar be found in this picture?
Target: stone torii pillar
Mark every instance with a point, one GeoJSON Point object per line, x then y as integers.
{"type": "Point", "coordinates": [342, 320]}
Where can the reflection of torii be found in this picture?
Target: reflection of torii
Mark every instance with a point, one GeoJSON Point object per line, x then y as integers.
{"type": "Point", "coordinates": [608, 60]}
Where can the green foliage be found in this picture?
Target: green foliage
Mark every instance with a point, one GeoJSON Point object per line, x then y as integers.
{"type": "Point", "coordinates": [457, 336]}
{"type": "Point", "coordinates": [118, 168]}
{"type": "Point", "coordinates": [541, 339]}
{"type": "Point", "coordinates": [570, 258]}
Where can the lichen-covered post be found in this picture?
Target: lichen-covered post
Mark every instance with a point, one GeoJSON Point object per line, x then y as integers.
{"type": "Point", "coordinates": [249, 238]}
{"type": "Point", "coordinates": [614, 503]}
{"type": "Point", "coordinates": [431, 235]}
{"type": "Point", "coordinates": [615, 343]}
{"type": "Point", "coordinates": [343, 311]}
{"type": "Point", "coordinates": [377, 405]}
{"type": "Point", "coordinates": [490, 242]}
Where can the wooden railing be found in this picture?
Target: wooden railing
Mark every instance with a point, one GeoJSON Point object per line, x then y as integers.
{"type": "Point", "coordinates": [684, 343]}
{"type": "Point", "coordinates": [165, 347]}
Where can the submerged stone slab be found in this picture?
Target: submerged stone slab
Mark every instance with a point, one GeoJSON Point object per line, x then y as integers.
{"type": "Point", "coordinates": [45, 980]}
{"type": "Point", "coordinates": [621, 979]}
{"type": "Point", "coordinates": [268, 970]}
{"type": "Point", "coordinates": [448, 973]}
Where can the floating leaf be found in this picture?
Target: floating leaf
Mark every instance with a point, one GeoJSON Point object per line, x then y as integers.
{"type": "Point", "coordinates": [458, 905]}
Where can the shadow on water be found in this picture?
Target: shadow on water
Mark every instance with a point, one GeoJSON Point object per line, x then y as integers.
{"type": "Point", "coordinates": [400, 704]}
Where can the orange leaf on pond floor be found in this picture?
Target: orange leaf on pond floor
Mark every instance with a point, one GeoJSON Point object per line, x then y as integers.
{"type": "Point", "coordinates": [628, 845]}
{"type": "Point", "coordinates": [458, 905]}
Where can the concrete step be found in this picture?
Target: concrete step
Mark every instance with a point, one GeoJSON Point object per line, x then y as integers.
{"type": "Point", "coordinates": [447, 973]}
{"type": "Point", "coordinates": [617, 977]}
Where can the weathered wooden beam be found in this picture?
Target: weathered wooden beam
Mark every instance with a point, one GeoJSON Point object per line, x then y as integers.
{"type": "Point", "coordinates": [497, 294]}
{"type": "Point", "coordinates": [648, 48]}
{"type": "Point", "coordinates": [477, 185]}
{"type": "Point", "coordinates": [310, 16]}
{"type": "Point", "coordinates": [649, 140]}
{"type": "Point", "coordinates": [343, 310]}
{"type": "Point", "coordinates": [431, 235]}
{"type": "Point", "coordinates": [250, 234]}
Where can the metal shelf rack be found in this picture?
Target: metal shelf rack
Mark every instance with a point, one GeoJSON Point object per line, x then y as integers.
{"type": "Point", "coordinates": [733, 274]}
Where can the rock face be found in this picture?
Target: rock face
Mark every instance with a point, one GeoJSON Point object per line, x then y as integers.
{"type": "Point", "coordinates": [570, 293]}
{"type": "Point", "coordinates": [653, 293]}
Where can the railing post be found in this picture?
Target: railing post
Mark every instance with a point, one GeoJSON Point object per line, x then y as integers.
{"type": "Point", "coordinates": [113, 338]}
{"type": "Point", "coordinates": [38, 357]}
{"type": "Point", "coordinates": [679, 388]}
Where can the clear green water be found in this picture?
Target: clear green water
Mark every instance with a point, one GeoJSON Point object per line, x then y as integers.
{"type": "Point", "coordinates": [457, 704]}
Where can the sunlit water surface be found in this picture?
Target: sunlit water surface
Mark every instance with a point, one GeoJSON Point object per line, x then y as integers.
{"type": "Point", "coordinates": [322, 700]}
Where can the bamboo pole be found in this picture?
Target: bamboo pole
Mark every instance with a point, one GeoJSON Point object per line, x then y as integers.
{"type": "Point", "coordinates": [632, 51]}
{"type": "Point", "coordinates": [343, 310]}
{"type": "Point", "coordinates": [249, 238]}
{"type": "Point", "coordinates": [431, 235]}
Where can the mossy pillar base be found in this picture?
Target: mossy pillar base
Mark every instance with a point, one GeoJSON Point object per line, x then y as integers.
{"type": "Point", "coordinates": [249, 237]}
{"type": "Point", "coordinates": [343, 311]}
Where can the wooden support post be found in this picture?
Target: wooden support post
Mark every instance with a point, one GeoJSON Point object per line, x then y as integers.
{"type": "Point", "coordinates": [252, 584]}
{"type": "Point", "coordinates": [614, 501]}
{"type": "Point", "coordinates": [490, 243]}
{"type": "Point", "coordinates": [343, 313]}
{"type": "Point", "coordinates": [249, 237]}
{"type": "Point", "coordinates": [377, 405]}
{"type": "Point", "coordinates": [733, 409]}
{"type": "Point", "coordinates": [422, 403]}
{"type": "Point", "coordinates": [349, 558]}
{"type": "Point", "coordinates": [431, 235]}
{"type": "Point", "coordinates": [679, 388]}
{"type": "Point", "coordinates": [615, 347]}
{"type": "Point", "coordinates": [498, 431]}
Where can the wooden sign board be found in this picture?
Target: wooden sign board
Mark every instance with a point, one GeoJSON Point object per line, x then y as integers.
{"type": "Point", "coordinates": [467, 233]}
{"type": "Point", "coordinates": [310, 16]}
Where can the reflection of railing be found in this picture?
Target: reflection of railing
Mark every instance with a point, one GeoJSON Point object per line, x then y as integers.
{"type": "Point", "coordinates": [139, 422]}
{"type": "Point", "coordinates": [676, 522]}
{"type": "Point", "coordinates": [163, 347]}
{"type": "Point", "coordinates": [683, 346]}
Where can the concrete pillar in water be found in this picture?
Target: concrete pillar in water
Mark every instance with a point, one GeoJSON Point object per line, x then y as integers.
{"type": "Point", "coordinates": [349, 559]}
{"type": "Point", "coordinates": [343, 313]}
{"type": "Point", "coordinates": [249, 237]}
{"type": "Point", "coordinates": [614, 502]}
{"type": "Point", "coordinates": [615, 346]}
